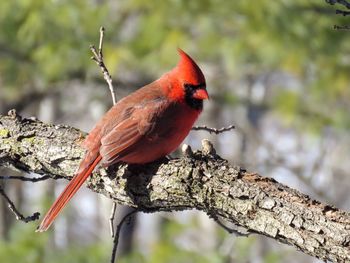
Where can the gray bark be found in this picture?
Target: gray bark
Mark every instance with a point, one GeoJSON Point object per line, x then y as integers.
{"type": "Point", "coordinates": [202, 180]}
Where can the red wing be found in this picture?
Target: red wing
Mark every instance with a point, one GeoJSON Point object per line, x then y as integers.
{"type": "Point", "coordinates": [140, 122]}
{"type": "Point", "coordinates": [118, 140]}
{"type": "Point", "coordinates": [123, 111]}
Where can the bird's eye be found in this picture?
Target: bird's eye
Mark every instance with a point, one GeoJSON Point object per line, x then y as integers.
{"type": "Point", "coordinates": [196, 92]}
{"type": "Point", "coordinates": [192, 88]}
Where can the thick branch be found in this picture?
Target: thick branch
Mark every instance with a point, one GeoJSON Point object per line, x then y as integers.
{"type": "Point", "coordinates": [202, 181]}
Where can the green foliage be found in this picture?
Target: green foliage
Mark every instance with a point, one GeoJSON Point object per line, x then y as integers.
{"type": "Point", "coordinates": [273, 257]}
{"type": "Point", "coordinates": [243, 248]}
{"type": "Point", "coordinates": [26, 246]}
{"type": "Point", "coordinates": [45, 41]}
{"type": "Point", "coordinates": [287, 102]}
{"type": "Point", "coordinates": [166, 250]}
{"type": "Point", "coordinates": [23, 246]}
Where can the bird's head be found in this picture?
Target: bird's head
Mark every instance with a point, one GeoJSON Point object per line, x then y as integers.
{"type": "Point", "coordinates": [188, 82]}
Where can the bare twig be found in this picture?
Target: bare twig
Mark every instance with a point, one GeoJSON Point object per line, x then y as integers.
{"type": "Point", "coordinates": [111, 219]}
{"type": "Point", "coordinates": [14, 210]}
{"type": "Point", "coordinates": [340, 2]}
{"type": "Point", "coordinates": [342, 12]}
{"type": "Point", "coordinates": [100, 45]}
{"type": "Point", "coordinates": [26, 179]}
{"type": "Point", "coordinates": [98, 58]}
{"type": "Point", "coordinates": [213, 130]}
{"type": "Point", "coordinates": [230, 230]}
{"type": "Point", "coordinates": [117, 234]}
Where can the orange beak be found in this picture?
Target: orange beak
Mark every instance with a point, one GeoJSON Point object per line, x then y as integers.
{"type": "Point", "coordinates": [200, 94]}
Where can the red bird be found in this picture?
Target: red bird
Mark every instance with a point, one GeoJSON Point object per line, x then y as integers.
{"type": "Point", "coordinates": [142, 127]}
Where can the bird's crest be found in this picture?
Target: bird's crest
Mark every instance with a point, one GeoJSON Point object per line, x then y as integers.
{"type": "Point", "coordinates": [188, 71]}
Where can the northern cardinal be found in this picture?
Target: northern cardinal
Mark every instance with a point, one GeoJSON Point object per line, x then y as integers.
{"type": "Point", "coordinates": [142, 127]}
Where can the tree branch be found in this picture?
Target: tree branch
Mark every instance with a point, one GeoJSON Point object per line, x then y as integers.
{"type": "Point", "coordinates": [15, 211]}
{"type": "Point", "coordinates": [98, 58]}
{"type": "Point", "coordinates": [202, 180]}
{"type": "Point", "coordinates": [25, 179]}
{"type": "Point", "coordinates": [213, 130]}
{"type": "Point", "coordinates": [344, 3]}
{"type": "Point", "coordinates": [117, 234]}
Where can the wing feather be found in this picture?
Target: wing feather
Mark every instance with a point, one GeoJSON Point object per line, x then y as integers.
{"type": "Point", "coordinates": [118, 142]}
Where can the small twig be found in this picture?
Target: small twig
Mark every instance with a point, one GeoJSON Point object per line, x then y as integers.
{"type": "Point", "coordinates": [117, 234]}
{"type": "Point", "coordinates": [100, 45]}
{"type": "Point", "coordinates": [98, 58]}
{"type": "Point", "coordinates": [230, 230]}
{"type": "Point", "coordinates": [111, 219]}
{"type": "Point", "coordinates": [342, 12]}
{"type": "Point", "coordinates": [14, 210]}
{"type": "Point", "coordinates": [23, 178]}
{"type": "Point", "coordinates": [213, 130]}
{"type": "Point", "coordinates": [343, 3]}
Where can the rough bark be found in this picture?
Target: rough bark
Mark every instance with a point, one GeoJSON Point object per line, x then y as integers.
{"type": "Point", "coordinates": [202, 181]}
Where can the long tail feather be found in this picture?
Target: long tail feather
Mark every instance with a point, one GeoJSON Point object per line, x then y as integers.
{"type": "Point", "coordinates": [66, 195]}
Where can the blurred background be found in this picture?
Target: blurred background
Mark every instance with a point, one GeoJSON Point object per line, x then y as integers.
{"type": "Point", "coordinates": [277, 70]}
